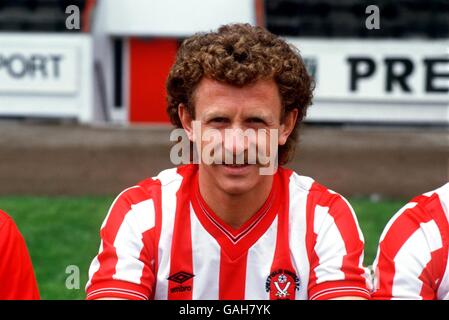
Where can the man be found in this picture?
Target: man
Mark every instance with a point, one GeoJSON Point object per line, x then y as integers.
{"type": "Point", "coordinates": [227, 229]}
{"type": "Point", "coordinates": [17, 281]}
{"type": "Point", "coordinates": [412, 259]}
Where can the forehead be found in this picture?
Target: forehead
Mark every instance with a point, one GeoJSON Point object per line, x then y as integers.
{"type": "Point", "coordinates": [212, 94]}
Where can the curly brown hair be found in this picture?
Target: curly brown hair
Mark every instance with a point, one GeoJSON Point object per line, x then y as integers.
{"type": "Point", "coordinates": [241, 54]}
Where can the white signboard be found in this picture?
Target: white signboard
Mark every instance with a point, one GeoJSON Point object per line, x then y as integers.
{"type": "Point", "coordinates": [46, 75]}
{"type": "Point", "coordinates": [38, 69]}
{"type": "Point", "coordinates": [382, 80]}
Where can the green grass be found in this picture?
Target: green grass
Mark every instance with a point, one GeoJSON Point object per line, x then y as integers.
{"type": "Point", "coordinates": [63, 231]}
{"type": "Point", "coordinates": [59, 231]}
{"type": "Point", "coordinates": [373, 216]}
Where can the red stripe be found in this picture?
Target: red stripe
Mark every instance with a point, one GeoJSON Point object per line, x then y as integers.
{"type": "Point", "coordinates": [121, 207]}
{"type": "Point", "coordinates": [337, 288]}
{"type": "Point", "coordinates": [117, 289]}
{"type": "Point", "coordinates": [429, 274]}
{"type": "Point", "coordinates": [433, 273]}
{"type": "Point", "coordinates": [148, 278]}
{"type": "Point", "coordinates": [343, 219]}
{"type": "Point", "coordinates": [311, 236]}
{"type": "Point", "coordinates": [420, 199]}
{"type": "Point", "coordinates": [151, 237]}
{"type": "Point", "coordinates": [181, 251]}
{"type": "Point", "coordinates": [241, 234]}
{"type": "Point", "coordinates": [398, 234]}
{"type": "Point", "coordinates": [282, 259]}
{"type": "Point", "coordinates": [236, 242]}
{"type": "Point", "coordinates": [156, 193]}
{"type": "Point", "coordinates": [118, 293]}
{"type": "Point", "coordinates": [232, 277]}
{"type": "Point", "coordinates": [342, 292]}
{"type": "Point", "coordinates": [346, 224]}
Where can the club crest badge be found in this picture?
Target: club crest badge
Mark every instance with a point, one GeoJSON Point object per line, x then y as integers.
{"type": "Point", "coordinates": [282, 284]}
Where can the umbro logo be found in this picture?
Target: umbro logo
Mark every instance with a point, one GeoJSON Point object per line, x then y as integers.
{"type": "Point", "coordinates": [180, 277]}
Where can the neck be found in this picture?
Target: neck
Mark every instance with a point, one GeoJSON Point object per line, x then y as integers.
{"type": "Point", "coordinates": [228, 206]}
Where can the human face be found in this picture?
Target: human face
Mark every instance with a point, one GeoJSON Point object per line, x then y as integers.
{"type": "Point", "coordinates": [221, 106]}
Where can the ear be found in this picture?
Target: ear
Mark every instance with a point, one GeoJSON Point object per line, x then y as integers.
{"type": "Point", "coordinates": [287, 126]}
{"type": "Point", "coordinates": [186, 120]}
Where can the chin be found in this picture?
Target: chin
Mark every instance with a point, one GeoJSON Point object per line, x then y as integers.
{"type": "Point", "coordinates": [237, 180]}
{"type": "Point", "coordinates": [233, 188]}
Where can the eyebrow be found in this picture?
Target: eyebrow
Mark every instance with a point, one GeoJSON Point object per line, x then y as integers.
{"type": "Point", "coordinates": [213, 114]}
{"type": "Point", "coordinates": [208, 115]}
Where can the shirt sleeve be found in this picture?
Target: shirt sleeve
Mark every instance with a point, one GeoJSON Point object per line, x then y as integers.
{"type": "Point", "coordinates": [336, 260]}
{"type": "Point", "coordinates": [409, 262]}
{"type": "Point", "coordinates": [17, 280]}
{"type": "Point", "coordinates": [124, 266]}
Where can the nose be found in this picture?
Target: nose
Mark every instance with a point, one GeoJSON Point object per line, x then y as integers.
{"type": "Point", "coordinates": [235, 141]}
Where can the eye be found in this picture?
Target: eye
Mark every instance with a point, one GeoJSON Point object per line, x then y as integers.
{"type": "Point", "coordinates": [219, 120]}
{"type": "Point", "coordinates": [256, 120]}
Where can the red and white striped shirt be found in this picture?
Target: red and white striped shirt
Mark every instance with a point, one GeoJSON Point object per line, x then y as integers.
{"type": "Point", "coordinates": [160, 240]}
{"type": "Point", "coordinates": [412, 260]}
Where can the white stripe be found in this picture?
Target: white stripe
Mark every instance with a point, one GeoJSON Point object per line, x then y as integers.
{"type": "Point", "coordinates": [338, 290]}
{"type": "Point", "coordinates": [113, 204]}
{"type": "Point", "coordinates": [409, 263]}
{"type": "Point", "coordinates": [206, 262]}
{"type": "Point", "coordinates": [387, 228]}
{"type": "Point", "coordinates": [141, 297]}
{"type": "Point", "coordinates": [119, 290]}
{"type": "Point", "coordinates": [354, 216]}
{"type": "Point", "coordinates": [299, 187]}
{"type": "Point", "coordinates": [128, 242]}
{"type": "Point", "coordinates": [409, 205]}
{"type": "Point", "coordinates": [94, 266]}
{"type": "Point", "coordinates": [443, 194]}
{"type": "Point", "coordinates": [366, 274]}
{"type": "Point", "coordinates": [258, 266]}
{"type": "Point", "coordinates": [170, 183]}
{"type": "Point", "coordinates": [330, 253]}
{"type": "Point", "coordinates": [433, 236]}
{"type": "Point", "coordinates": [443, 290]}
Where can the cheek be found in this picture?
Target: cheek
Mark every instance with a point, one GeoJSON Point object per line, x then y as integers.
{"type": "Point", "coordinates": [210, 145]}
{"type": "Point", "coordinates": [268, 141]}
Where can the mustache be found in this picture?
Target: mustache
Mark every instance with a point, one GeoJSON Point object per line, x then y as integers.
{"type": "Point", "coordinates": [249, 156]}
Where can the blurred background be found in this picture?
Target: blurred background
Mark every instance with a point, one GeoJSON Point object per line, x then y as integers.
{"type": "Point", "coordinates": [82, 107]}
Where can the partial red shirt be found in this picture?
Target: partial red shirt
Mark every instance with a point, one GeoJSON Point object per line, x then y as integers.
{"type": "Point", "coordinates": [412, 259]}
{"type": "Point", "coordinates": [17, 280]}
{"type": "Point", "coordinates": [160, 240]}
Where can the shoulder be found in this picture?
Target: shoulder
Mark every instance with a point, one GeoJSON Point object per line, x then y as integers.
{"type": "Point", "coordinates": [316, 193]}
{"type": "Point", "coordinates": [436, 204]}
{"type": "Point", "coordinates": [4, 219]}
{"type": "Point", "coordinates": [424, 217]}
{"type": "Point", "coordinates": [320, 206]}
{"type": "Point", "coordinates": [9, 232]}
{"type": "Point", "coordinates": [149, 188]}
{"type": "Point", "coordinates": [146, 198]}
{"type": "Point", "coordinates": [6, 223]}
{"type": "Point", "coordinates": [430, 206]}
